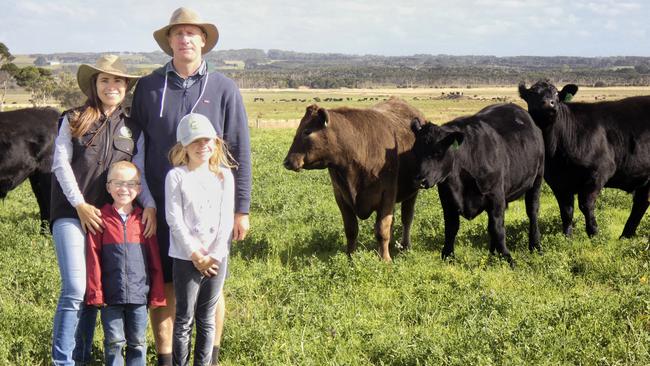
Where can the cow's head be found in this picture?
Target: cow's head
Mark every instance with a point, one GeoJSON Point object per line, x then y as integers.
{"type": "Point", "coordinates": [544, 100]}
{"type": "Point", "coordinates": [312, 144]}
{"type": "Point", "coordinates": [433, 150]}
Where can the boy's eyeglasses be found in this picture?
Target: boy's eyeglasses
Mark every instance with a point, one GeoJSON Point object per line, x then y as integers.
{"type": "Point", "coordinates": [124, 183]}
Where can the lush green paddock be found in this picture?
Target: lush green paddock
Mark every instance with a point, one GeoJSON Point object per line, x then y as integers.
{"type": "Point", "coordinates": [289, 104]}
{"type": "Point", "coordinates": [295, 298]}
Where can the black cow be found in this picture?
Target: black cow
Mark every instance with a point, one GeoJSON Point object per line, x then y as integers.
{"type": "Point", "coordinates": [480, 163]}
{"type": "Point", "coordinates": [590, 146]}
{"type": "Point", "coordinates": [26, 147]}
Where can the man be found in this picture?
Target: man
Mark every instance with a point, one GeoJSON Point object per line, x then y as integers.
{"type": "Point", "coordinates": [160, 100]}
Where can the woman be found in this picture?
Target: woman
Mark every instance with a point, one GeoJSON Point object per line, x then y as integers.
{"type": "Point", "coordinates": [91, 138]}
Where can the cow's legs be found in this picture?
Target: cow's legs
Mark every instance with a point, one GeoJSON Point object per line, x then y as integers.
{"type": "Point", "coordinates": [640, 203]}
{"type": "Point", "coordinates": [452, 223]}
{"type": "Point", "coordinates": [587, 203]}
{"type": "Point", "coordinates": [565, 201]}
{"type": "Point", "coordinates": [496, 228]}
{"type": "Point", "coordinates": [408, 211]}
{"type": "Point", "coordinates": [532, 210]}
{"type": "Point", "coordinates": [350, 224]}
{"type": "Point", "coordinates": [41, 188]}
{"type": "Point", "coordinates": [382, 231]}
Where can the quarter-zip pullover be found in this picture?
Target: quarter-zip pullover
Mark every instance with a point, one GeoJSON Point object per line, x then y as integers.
{"type": "Point", "coordinates": [209, 93]}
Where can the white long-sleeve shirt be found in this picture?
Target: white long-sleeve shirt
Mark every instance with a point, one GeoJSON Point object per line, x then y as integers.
{"type": "Point", "coordinates": [61, 165]}
{"type": "Point", "coordinates": [200, 211]}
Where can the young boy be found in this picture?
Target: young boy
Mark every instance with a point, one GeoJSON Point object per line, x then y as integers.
{"type": "Point", "coordinates": [123, 270]}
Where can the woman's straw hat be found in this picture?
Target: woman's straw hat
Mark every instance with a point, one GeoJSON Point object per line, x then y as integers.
{"type": "Point", "coordinates": [109, 64]}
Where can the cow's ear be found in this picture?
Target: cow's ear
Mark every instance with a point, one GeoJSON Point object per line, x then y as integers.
{"type": "Point", "coordinates": [523, 92]}
{"type": "Point", "coordinates": [568, 92]}
{"type": "Point", "coordinates": [453, 140]}
{"type": "Point", "coordinates": [310, 110]}
{"type": "Point", "coordinates": [324, 116]}
{"type": "Point", "coordinates": [416, 125]}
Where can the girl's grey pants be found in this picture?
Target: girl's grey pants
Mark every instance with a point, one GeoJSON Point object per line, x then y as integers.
{"type": "Point", "coordinates": [196, 298]}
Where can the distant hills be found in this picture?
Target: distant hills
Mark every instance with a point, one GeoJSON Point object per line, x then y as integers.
{"type": "Point", "coordinates": [279, 68]}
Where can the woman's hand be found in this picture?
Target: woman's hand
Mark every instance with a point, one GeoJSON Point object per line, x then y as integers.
{"type": "Point", "coordinates": [90, 218]}
{"type": "Point", "coordinates": [150, 222]}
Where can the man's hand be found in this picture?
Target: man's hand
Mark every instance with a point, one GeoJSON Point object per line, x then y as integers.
{"type": "Point", "coordinates": [241, 227]}
{"type": "Point", "coordinates": [150, 222]}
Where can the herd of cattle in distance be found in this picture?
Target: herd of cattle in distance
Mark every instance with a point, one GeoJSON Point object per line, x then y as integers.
{"type": "Point", "coordinates": [383, 155]}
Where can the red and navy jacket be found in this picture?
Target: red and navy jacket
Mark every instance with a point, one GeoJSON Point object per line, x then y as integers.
{"type": "Point", "coordinates": [122, 266]}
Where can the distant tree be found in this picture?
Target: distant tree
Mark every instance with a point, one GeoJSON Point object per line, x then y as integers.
{"type": "Point", "coordinates": [40, 61]}
{"type": "Point", "coordinates": [5, 72]}
{"type": "Point", "coordinates": [5, 55]}
{"type": "Point", "coordinates": [38, 81]}
{"type": "Point", "coordinates": [67, 91]}
{"type": "Point", "coordinates": [642, 69]}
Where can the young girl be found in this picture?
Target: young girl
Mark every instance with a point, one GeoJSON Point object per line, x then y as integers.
{"type": "Point", "coordinates": [199, 200]}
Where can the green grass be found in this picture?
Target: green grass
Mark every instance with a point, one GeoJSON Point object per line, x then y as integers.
{"type": "Point", "coordinates": [295, 298]}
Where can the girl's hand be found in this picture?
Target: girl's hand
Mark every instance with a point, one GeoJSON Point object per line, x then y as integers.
{"type": "Point", "coordinates": [150, 222]}
{"type": "Point", "coordinates": [205, 264]}
{"type": "Point", "coordinates": [212, 271]}
{"type": "Point", "coordinates": [201, 262]}
{"type": "Point", "coordinates": [90, 218]}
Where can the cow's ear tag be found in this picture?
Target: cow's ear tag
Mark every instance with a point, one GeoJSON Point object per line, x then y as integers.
{"type": "Point", "coordinates": [568, 97]}
{"type": "Point", "coordinates": [455, 145]}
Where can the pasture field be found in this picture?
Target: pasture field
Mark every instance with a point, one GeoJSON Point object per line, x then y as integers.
{"type": "Point", "coordinates": [294, 298]}
{"type": "Point", "coordinates": [285, 107]}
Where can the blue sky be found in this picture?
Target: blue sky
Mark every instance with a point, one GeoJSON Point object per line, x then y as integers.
{"type": "Point", "coordinates": [382, 27]}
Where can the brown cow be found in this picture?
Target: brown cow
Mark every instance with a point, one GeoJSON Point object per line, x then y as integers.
{"type": "Point", "coordinates": [368, 155]}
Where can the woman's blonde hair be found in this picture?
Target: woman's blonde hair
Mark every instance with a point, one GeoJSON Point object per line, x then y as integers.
{"type": "Point", "coordinates": [221, 156]}
{"type": "Point", "coordinates": [82, 118]}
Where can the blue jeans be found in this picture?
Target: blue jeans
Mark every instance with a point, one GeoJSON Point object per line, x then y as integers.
{"type": "Point", "coordinates": [74, 323]}
{"type": "Point", "coordinates": [125, 324]}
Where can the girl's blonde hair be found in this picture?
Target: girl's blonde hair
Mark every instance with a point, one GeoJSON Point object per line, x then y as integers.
{"type": "Point", "coordinates": [178, 156]}
{"type": "Point", "coordinates": [81, 119]}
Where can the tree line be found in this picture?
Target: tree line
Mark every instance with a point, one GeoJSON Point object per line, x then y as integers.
{"type": "Point", "coordinates": [288, 69]}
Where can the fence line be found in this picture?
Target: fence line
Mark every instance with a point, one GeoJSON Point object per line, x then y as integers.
{"type": "Point", "coordinates": [273, 123]}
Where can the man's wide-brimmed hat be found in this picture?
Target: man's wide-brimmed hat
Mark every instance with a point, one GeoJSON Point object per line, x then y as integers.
{"type": "Point", "coordinates": [109, 64]}
{"type": "Point", "coordinates": [188, 17]}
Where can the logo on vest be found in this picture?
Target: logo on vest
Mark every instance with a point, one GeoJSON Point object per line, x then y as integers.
{"type": "Point", "coordinates": [125, 132]}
